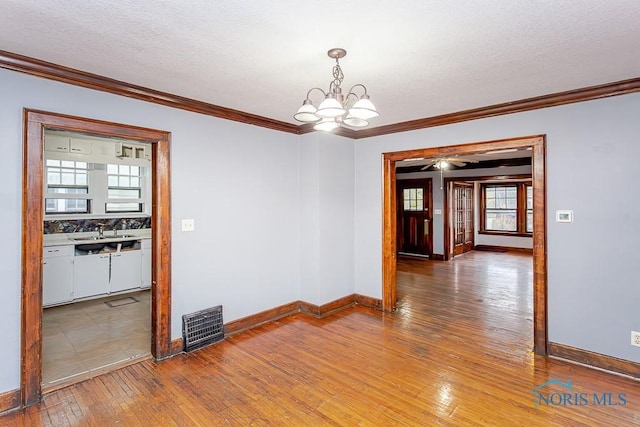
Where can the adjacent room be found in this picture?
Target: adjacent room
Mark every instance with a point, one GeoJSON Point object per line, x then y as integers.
{"type": "Point", "coordinates": [298, 214]}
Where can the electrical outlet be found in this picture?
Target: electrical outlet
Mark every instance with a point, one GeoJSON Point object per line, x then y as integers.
{"type": "Point", "coordinates": [188, 225]}
{"type": "Point", "coordinates": [635, 338]}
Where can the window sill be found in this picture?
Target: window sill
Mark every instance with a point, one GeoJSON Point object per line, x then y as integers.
{"type": "Point", "coordinates": [505, 233]}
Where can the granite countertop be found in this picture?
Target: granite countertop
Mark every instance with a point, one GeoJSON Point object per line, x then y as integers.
{"type": "Point", "coordinates": [61, 239]}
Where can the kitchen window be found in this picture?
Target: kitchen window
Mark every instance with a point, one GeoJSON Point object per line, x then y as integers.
{"type": "Point", "coordinates": [124, 192]}
{"type": "Point", "coordinates": [506, 209]}
{"type": "Point", "coordinates": [67, 187]}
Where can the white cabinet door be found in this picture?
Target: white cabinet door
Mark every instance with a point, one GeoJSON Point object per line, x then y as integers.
{"type": "Point", "coordinates": [90, 275]}
{"type": "Point", "coordinates": [56, 143]}
{"type": "Point", "coordinates": [80, 146]}
{"type": "Point", "coordinates": [57, 280]}
{"type": "Point", "coordinates": [126, 271]}
{"type": "Point", "coordinates": [145, 252]}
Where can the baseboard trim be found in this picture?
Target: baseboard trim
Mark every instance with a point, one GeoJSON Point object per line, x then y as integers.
{"type": "Point", "coordinates": [370, 302]}
{"type": "Point", "coordinates": [438, 257]}
{"type": "Point", "coordinates": [260, 318]}
{"type": "Point", "coordinates": [330, 307]}
{"type": "Point", "coordinates": [273, 314]}
{"type": "Point", "coordinates": [176, 347]}
{"type": "Point", "coordinates": [9, 401]}
{"type": "Point", "coordinates": [503, 248]}
{"type": "Point", "coordinates": [597, 360]}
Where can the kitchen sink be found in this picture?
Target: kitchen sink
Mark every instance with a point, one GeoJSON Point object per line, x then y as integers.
{"type": "Point", "coordinates": [124, 243]}
{"type": "Point", "coordinates": [90, 247]}
{"type": "Point", "coordinates": [88, 238]}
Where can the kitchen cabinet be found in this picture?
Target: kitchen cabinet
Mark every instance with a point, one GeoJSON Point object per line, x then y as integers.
{"type": "Point", "coordinates": [145, 252]}
{"type": "Point", "coordinates": [57, 275]}
{"type": "Point", "coordinates": [90, 275]}
{"type": "Point", "coordinates": [56, 143]}
{"type": "Point", "coordinates": [80, 146]}
{"type": "Point", "coordinates": [125, 270]}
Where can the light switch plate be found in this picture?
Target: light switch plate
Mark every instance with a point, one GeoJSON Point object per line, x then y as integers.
{"type": "Point", "coordinates": [437, 211]}
{"type": "Point", "coordinates": [188, 225]}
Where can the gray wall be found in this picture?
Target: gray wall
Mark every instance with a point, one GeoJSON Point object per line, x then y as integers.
{"type": "Point", "coordinates": [592, 155]}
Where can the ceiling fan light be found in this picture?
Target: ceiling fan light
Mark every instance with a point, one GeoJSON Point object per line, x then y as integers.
{"type": "Point", "coordinates": [306, 113]}
{"type": "Point", "coordinates": [326, 124]}
{"type": "Point", "coordinates": [364, 108]}
{"type": "Point", "coordinates": [355, 122]}
{"type": "Point", "coordinates": [330, 108]}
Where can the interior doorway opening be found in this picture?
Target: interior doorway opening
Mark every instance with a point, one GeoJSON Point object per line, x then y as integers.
{"type": "Point", "coordinates": [35, 124]}
{"type": "Point", "coordinates": [537, 146]}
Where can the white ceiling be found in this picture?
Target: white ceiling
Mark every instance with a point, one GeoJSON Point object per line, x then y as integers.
{"type": "Point", "coordinates": [418, 58]}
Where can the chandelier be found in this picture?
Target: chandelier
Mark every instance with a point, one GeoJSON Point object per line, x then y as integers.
{"type": "Point", "coordinates": [337, 109]}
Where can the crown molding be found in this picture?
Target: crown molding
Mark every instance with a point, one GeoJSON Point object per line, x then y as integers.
{"type": "Point", "coordinates": [48, 70]}
{"type": "Point", "coordinates": [622, 87]}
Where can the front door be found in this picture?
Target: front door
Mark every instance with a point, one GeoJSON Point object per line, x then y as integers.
{"type": "Point", "coordinates": [462, 217]}
{"type": "Point", "coordinates": [414, 217]}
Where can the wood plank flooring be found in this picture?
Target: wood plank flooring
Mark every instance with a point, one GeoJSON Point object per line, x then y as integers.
{"type": "Point", "coordinates": [456, 352]}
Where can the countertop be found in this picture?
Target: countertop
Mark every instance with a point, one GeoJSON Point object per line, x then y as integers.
{"type": "Point", "coordinates": [61, 239]}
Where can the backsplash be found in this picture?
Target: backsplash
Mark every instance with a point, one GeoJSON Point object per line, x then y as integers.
{"type": "Point", "coordinates": [84, 225]}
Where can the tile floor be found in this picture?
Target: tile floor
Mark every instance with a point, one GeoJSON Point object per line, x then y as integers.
{"type": "Point", "coordinates": [91, 336]}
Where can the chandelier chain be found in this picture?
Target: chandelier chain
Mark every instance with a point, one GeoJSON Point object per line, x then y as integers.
{"type": "Point", "coordinates": [337, 74]}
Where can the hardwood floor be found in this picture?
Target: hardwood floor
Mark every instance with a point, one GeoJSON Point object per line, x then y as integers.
{"type": "Point", "coordinates": [456, 352]}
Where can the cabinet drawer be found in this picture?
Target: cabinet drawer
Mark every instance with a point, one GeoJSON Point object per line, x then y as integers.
{"type": "Point", "coordinates": [54, 251]}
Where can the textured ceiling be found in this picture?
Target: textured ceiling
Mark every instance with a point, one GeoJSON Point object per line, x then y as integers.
{"type": "Point", "coordinates": [418, 58]}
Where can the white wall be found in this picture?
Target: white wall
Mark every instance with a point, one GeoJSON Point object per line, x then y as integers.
{"type": "Point", "coordinates": [239, 183]}
{"type": "Point", "coordinates": [592, 155]}
{"type": "Point", "coordinates": [438, 203]}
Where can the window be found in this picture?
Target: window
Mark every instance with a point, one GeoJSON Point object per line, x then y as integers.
{"type": "Point", "coordinates": [507, 208]}
{"type": "Point", "coordinates": [124, 192]}
{"type": "Point", "coordinates": [67, 187]}
{"type": "Point", "coordinates": [413, 199]}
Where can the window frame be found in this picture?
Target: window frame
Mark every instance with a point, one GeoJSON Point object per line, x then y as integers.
{"type": "Point", "coordinates": [71, 196]}
{"type": "Point", "coordinates": [521, 209]}
{"type": "Point", "coordinates": [120, 200]}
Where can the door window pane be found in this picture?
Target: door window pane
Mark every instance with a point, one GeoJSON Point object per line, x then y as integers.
{"type": "Point", "coordinates": [413, 199]}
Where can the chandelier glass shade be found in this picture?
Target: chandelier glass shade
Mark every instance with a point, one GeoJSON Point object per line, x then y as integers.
{"type": "Point", "coordinates": [337, 109]}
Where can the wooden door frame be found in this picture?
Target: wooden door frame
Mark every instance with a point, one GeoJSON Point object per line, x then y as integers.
{"type": "Point", "coordinates": [537, 144]}
{"type": "Point", "coordinates": [35, 123]}
{"type": "Point", "coordinates": [447, 210]}
{"type": "Point", "coordinates": [429, 200]}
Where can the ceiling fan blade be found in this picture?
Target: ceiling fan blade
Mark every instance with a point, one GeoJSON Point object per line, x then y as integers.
{"type": "Point", "coordinates": [457, 163]}
{"type": "Point", "coordinates": [463, 159]}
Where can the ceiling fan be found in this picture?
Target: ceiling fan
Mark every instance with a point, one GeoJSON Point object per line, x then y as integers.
{"type": "Point", "coordinates": [444, 162]}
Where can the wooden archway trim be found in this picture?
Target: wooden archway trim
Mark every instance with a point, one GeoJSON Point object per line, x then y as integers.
{"type": "Point", "coordinates": [35, 122]}
{"type": "Point", "coordinates": [389, 250]}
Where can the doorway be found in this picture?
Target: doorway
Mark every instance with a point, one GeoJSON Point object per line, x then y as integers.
{"type": "Point", "coordinates": [35, 123]}
{"type": "Point", "coordinates": [462, 211]}
{"type": "Point", "coordinates": [415, 226]}
{"type": "Point", "coordinates": [389, 241]}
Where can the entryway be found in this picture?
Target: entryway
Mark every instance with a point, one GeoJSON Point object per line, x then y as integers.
{"type": "Point", "coordinates": [390, 220]}
{"type": "Point", "coordinates": [35, 124]}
